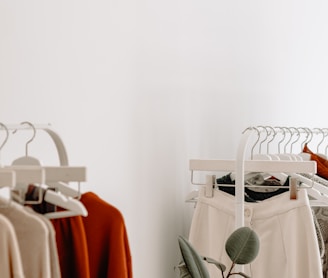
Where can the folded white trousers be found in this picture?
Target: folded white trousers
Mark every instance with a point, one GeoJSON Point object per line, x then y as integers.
{"type": "Point", "coordinates": [288, 243]}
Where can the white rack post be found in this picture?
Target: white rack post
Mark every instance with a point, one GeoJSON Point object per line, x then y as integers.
{"type": "Point", "coordinates": [240, 169]}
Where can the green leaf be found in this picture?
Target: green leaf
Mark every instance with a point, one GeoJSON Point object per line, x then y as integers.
{"type": "Point", "coordinates": [243, 274]}
{"type": "Point", "coordinates": [183, 271]}
{"type": "Point", "coordinates": [193, 261]}
{"type": "Point", "coordinates": [242, 246]}
{"type": "Point", "coordinates": [219, 265]}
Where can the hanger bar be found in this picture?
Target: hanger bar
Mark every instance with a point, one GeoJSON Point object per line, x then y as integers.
{"type": "Point", "coordinates": [7, 178]}
{"type": "Point", "coordinates": [65, 174]}
{"type": "Point", "coordinates": [28, 174]}
{"type": "Point", "coordinates": [254, 165]}
{"type": "Point", "coordinates": [37, 174]}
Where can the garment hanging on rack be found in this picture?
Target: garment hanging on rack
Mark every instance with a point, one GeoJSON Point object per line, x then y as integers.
{"type": "Point", "coordinates": [10, 257]}
{"type": "Point", "coordinates": [321, 213]}
{"type": "Point", "coordinates": [53, 251]}
{"type": "Point", "coordinates": [292, 219]}
{"type": "Point", "coordinates": [251, 195]}
{"type": "Point", "coordinates": [108, 245]}
{"type": "Point", "coordinates": [322, 163]}
{"type": "Point", "coordinates": [32, 235]}
{"type": "Point", "coordinates": [72, 247]}
{"type": "Point", "coordinates": [288, 243]}
{"type": "Point", "coordinates": [108, 260]}
{"type": "Point", "coordinates": [70, 239]}
{"type": "Point", "coordinates": [87, 252]}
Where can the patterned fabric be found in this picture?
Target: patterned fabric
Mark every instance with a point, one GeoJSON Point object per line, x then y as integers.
{"type": "Point", "coordinates": [321, 215]}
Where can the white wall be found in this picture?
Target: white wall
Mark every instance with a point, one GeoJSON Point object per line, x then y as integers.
{"type": "Point", "coordinates": [136, 88]}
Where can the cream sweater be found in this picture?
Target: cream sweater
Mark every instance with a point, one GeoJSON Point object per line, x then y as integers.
{"type": "Point", "coordinates": [32, 236]}
{"type": "Point", "coordinates": [54, 259]}
{"type": "Point", "coordinates": [10, 259]}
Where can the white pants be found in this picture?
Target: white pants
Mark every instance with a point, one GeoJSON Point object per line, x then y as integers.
{"type": "Point", "coordinates": [288, 241]}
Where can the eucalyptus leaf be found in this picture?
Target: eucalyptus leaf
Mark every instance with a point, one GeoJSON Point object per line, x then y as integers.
{"type": "Point", "coordinates": [193, 261]}
{"type": "Point", "coordinates": [242, 246]}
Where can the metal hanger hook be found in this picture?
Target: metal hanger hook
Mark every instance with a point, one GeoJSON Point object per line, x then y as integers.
{"type": "Point", "coordinates": [284, 136]}
{"type": "Point", "coordinates": [291, 135]}
{"type": "Point", "coordinates": [306, 138]}
{"type": "Point", "coordinates": [298, 137]}
{"type": "Point", "coordinates": [273, 137]}
{"type": "Point", "coordinates": [323, 137]}
{"type": "Point", "coordinates": [7, 135]}
{"type": "Point", "coordinates": [258, 139]}
{"type": "Point", "coordinates": [266, 137]}
{"type": "Point", "coordinates": [29, 141]}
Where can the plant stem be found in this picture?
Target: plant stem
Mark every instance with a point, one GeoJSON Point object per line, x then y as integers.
{"type": "Point", "coordinates": [222, 272]}
{"type": "Point", "coordinates": [229, 273]}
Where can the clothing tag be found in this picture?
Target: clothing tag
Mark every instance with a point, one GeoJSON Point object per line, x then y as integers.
{"type": "Point", "coordinates": [293, 188]}
{"type": "Point", "coordinates": [209, 187]}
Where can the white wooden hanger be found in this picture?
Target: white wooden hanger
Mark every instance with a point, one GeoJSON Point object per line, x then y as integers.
{"type": "Point", "coordinates": [7, 178]}
{"type": "Point", "coordinates": [30, 171]}
{"type": "Point", "coordinates": [279, 169]}
{"type": "Point", "coordinates": [253, 166]}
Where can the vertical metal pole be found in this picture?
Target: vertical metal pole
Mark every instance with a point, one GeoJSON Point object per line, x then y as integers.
{"type": "Point", "coordinates": [240, 188]}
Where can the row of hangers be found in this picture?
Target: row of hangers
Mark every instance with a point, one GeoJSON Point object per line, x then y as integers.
{"type": "Point", "coordinates": [282, 163]}
{"type": "Point", "coordinates": [26, 170]}
{"type": "Point", "coordinates": [286, 140]}
{"type": "Point", "coordinates": [290, 138]}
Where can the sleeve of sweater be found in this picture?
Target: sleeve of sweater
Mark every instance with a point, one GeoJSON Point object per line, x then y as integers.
{"type": "Point", "coordinates": [10, 258]}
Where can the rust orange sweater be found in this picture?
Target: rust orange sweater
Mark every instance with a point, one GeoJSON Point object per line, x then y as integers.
{"type": "Point", "coordinates": [107, 240]}
{"type": "Point", "coordinates": [322, 163]}
{"type": "Point", "coordinates": [72, 247]}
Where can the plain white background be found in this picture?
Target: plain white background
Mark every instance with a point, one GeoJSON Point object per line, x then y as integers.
{"type": "Point", "coordinates": [137, 88]}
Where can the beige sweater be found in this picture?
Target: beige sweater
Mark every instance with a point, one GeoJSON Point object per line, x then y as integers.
{"type": "Point", "coordinates": [32, 235]}
{"type": "Point", "coordinates": [10, 259]}
{"type": "Point", "coordinates": [54, 259]}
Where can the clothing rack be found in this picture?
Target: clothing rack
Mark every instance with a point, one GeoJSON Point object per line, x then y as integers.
{"type": "Point", "coordinates": [241, 164]}
{"type": "Point", "coordinates": [27, 170]}
{"type": "Point", "coordinates": [297, 166]}
{"type": "Point", "coordinates": [64, 172]}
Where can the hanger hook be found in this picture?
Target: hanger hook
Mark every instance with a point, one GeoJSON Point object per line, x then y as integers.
{"type": "Point", "coordinates": [323, 137]}
{"type": "Point", "coordinates": [298, 137]}
{"type": "Point", "coordinates": [310, 134]}
{"type": "Point", "coordinates": [258, 138]}
{"type": "Point", "coordinates": [33, 136]}
{"type": "Point", "coordinates": [267, 135]}
{"type": "Point", "coordinates": [284, 136]}
{"type": "Point", "coordinates": [306, 138]}
{"type": "Point", "coordinates": [325, 129]}
{"type": "Point", "coordinates": [274, 135]}
{"type": "Point", "coordinates": [291, 135]}
{"type": "Point", "coordinates": [7, 135]}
